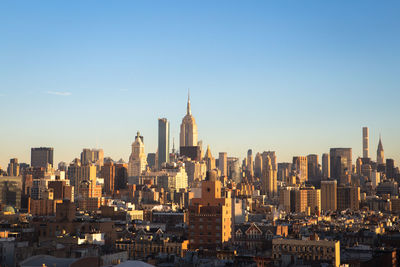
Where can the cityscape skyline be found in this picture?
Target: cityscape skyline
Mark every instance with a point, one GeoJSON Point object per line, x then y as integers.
{"type": "Point", "coordinates": [288, 158]}
{"type": "Point", "coordinates": [199, 133]}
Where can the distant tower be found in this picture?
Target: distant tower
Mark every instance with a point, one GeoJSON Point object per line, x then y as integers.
{"type": "Point", "coordinates": [13, 167]}
{"type": "Point", "coordinates": [329, 195]}
{"type": "Point", "coordinates": [250, 167]}
{"type": "Point", "coordinates": [301, 166]}
{"type": "Point", "coordinates": [163, 141]}
{"type": "Point", "coordinates": [188, 135]}
{"type": "Point", "coordinates": [325, 166]}
{"type": "Point", "coordinates": [272, 156]}
{"type": "Point", "coordinates": [208, 158]}
{"type": "Point", "coordinates": [365, 142]}
{"type": "Point", "coordinates": [380, 157]}
{"type": "Point", "coordinates": [137, 160]}
{"type": "Point", "coordinates": [258, 165]}
{"type": "Point", "coordinates": [223, 163]}
{"type": "Point", "coordinates": [359, 166]}
{"type": "Point", "coordinates": [41, 156]}
{"type": "Point", "coordinates": [269, 181]}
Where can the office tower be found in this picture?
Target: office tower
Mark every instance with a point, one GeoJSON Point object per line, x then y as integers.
{"type": "Point", "coordinates": [390, 169]}
{"type": "Point", "coordinates": [269, 181]}
{"type": "Point", "coordinates": [326, 166]}
{"type": "Point", "coordinates": [163, 142]}
{"type": "Point", "coordinates": [108, 174]}
{"type": "Point", "coordinates": [341, 162]}
{"type": "Point", "coordinates": [329, 195]}
{"type": "Point", "coordinates": [92, 156]}
{"type": "Point", "coordinates": [272, 156]}
{"type": "Point", "coordinates": [13, 167]}
{"type": "Point", "coordinates": [359, 166]}
{"type": "Point", "coordinates": [348, 197]}
{"type": "Point", "coordinates": [188, 135]}
{"type": "Point", "coordinates": [258, 165]}
{"type": "Point", "coordinates": [312, 167]}
{"type": "Point", "coordinates": [284, 170]}
{"type": "Point", "coordinates": [365, 142]}
{"type": "Point", "coordinates": [208, 158]}
{"type": "Point", "coordinates": [210, 216]}
{"type": "Point", "coordinates": [250, 166]}
{"type": "Point", "coordinates": [137, 161]}
{"type": "Point", "coordinates": [151, 160]}
{"type": "Point", "coordinates": [189, 146]}
{"type": "Point", "coordinates": [121, 175]}
{"type": "Point", "coordinates": [234, 170]}
{"type": "Point", "coordinates": [223, 163]}
{"type": "Point", "coordinates": [380, 158]}
{"type": "Point", "coordinates": [301, 167]}
{"type": "Point", "coordinates": [42, 156]}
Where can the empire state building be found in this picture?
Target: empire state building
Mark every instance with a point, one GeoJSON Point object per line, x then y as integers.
{"type": "Point", "coordinates": [188, 135]}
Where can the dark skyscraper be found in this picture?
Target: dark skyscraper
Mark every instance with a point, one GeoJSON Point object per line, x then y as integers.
{"type": "Point", "coordinates": [341, 162]}
{"type": "Point", "coordinates": [41, 156]}
{"type": "Point", "coordinates": [163, 141]}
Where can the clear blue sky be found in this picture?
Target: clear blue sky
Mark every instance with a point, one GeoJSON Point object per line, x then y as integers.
{"type": "Point", "coordinates": [297, 77]}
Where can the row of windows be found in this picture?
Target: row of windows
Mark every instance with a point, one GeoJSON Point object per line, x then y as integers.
{"type": "Point", "coordinates": [302, 248]}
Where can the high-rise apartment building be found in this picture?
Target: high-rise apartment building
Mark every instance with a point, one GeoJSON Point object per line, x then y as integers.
{"type": "Point", "coordinates": [210, 216]}
{"type": "Point", "coordinates": [108, 174]}
{"type": "Point", "coordinates": [42, 156]}
{"type": "Point", "coordinates": [326, 169]}
{"type": "Point", "coordinates": [13, 167]}
{"type": "Point", "coordinates": [304, 199]}
{"type": "Point", "coordinates": [163, 142]}
{"type": "Point", "coordinates": [365, 142]}
{"type": "Point", "coordinates": [308, 200]}
{"type": "Point", "coordinates": [329, 195]}
{"type": "Point", "coordinates": [137, 160]}
{"type": "Point", "coordinates": [341, 162]}
{"type": "Point", "coordinates": [380, 156]}
{"type": "Point", "coordinates": [223, 163]}
{"type": "Point", "coordinates": [300, 165]}
{"type": "Point", "coordinates": [348, 197]}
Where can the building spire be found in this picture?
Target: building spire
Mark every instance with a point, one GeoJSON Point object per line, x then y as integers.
{"type": "Point", "coordinates": [380, 146]}
{"type": "Point", "coordinates": [189, 111]}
